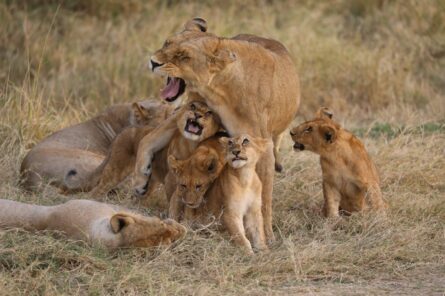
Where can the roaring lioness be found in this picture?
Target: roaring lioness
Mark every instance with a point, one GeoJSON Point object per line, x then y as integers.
{"type": "Point", "coordinates": [250, 81]}
{"type": "Point", "coordinates": [350, 179]}
{"type": "Point", "coordinates": [94, 222]}
{"type": "Point", "coordinates": [235, 195]}
{"type": "Point", "coordinates": [83, 147]}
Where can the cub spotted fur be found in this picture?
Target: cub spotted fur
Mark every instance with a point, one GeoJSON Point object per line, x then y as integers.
{"type": "Point", "coordinates": [94, 222]}
{"type": "Point", "coordinates": [350, 179]}
{"type": "Point", "coordinates": [235, 195]}
{"type": "Point", "coordinates": [83, 146]}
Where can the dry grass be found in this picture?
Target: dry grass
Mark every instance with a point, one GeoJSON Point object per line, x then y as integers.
{"type": "Point", "coordinates": [379, 64]}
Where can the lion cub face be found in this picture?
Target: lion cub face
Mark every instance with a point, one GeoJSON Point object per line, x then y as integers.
{"type": "Point", "coordinates": [190, 57]}
{"type": "Point", "coordinates": [198, 122]}
{"type": "Point", "coordinates": [315, 135]}
{"type": "Point", "coordinates": [139, 231]}
{"type": "Point", "coordinates": [195, 174]}
{"type": "Point", "coordinates": [243, 150]}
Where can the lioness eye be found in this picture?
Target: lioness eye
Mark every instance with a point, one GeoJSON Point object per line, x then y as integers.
{"type": "Point", "coordinates": [193, 107]}
{"type": "Point", "coordinates": [198, 187]}
{"type": "Point", "coordinates": [245, 142]}
{"type": "Point", "coordinates": [308, 130]}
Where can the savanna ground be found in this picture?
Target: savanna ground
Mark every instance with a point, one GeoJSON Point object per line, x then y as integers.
{"type": "Point", "coordinates": [379, 64]}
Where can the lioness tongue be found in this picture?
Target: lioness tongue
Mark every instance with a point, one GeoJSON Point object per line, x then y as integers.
{"type": "Point", "coordinates": [171, 89]}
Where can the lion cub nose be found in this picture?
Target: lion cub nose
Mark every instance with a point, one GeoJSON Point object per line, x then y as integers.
{"type": "Point", "coordinates": [236, 152]}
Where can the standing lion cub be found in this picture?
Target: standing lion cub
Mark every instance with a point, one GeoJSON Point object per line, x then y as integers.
{"type": "Point", "coordinates": [350, 179]}
{"type": "Point", "coordinates": [235, 195]}
{"type": "Point", "coordinates": [94, 222]}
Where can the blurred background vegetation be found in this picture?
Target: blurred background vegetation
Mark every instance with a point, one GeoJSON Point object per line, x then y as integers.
{"type": "Point", "coordinates": [58, 56]}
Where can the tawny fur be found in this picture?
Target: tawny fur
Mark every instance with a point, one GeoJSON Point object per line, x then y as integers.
{"type": "Point", "coordinates": [120, 161]}
{"type": "Point", "coordinates": [350, 179]}
{"type": "Point", "coordinates": [249, 81]}
{"type": "Point", "coordinates": [235, 195]}
{"type": "Point", "coordinates": [82, 148]}
{"type": "Point", "coordinates": [91, 221]}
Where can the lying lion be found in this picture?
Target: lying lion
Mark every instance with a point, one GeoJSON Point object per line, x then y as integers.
{"type": "Point", "coordinates": [83, 147]}
{"type": "Point", "coordinates": [91, 221]}
{"type": "Point", "coordinates": [235, 195]}
{"type": "Point", "coordinates": [193, 123]}
{"type": "Point", "coordinates": [350, 179]}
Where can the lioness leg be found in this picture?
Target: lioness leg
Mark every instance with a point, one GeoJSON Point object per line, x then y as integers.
{"type": "Point", "coordinates": [276, 151]}
{"type": "Point", "coordinates": [234, 224]}
{"type": "Point", "coordinates": [255, 227]}
{"type": "Point", "coordinates": [265, 171]}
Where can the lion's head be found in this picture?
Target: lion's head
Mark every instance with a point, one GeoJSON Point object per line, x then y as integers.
{"type": "Point", "coordinates": [197, 122]}
{"type": "Point", "coordinates": [195, 174]}
{"type": "Point", "coordinates": [317, 134]}
{"type": "Point", "coordinates": [139, 231]}
{"type": "Point", "coordinates": [244, 150]}
{"type": "Point", "coordinates": [191, 56]}
{"type": "Point", "coordinates": [149, 112]}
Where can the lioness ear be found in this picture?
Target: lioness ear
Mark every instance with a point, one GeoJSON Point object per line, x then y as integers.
{"type": "Point", "coordinates": [140, 113]}
{"type": "Point", "coordinates": [324, 113]}
{"type": "Point", "coordinates": [196, 24]}
{"type": "Point", "coordinates": [120, 221]}
{"type": "Point", "coordinates": [174, 164]}
{"type": "Point", "coordinates": [329, 133]}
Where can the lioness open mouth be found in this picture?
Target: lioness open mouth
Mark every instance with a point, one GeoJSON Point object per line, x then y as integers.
{"type": "Point", "coordinates": [173, 89]}
{"type": "Point", "coordinates": [193, 127]}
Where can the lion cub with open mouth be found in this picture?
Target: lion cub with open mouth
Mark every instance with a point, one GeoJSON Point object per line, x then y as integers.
{"type": "Point", "coordinates": [94, 222]}
{"type": "Point", "coordinates": [235, 195]}
{"type": "Point", "coordinates": [350, 179]}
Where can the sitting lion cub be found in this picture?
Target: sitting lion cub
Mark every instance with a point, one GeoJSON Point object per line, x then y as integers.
{"type": "Point", "coordinates": [94, 222]}
{"type": "Point", "coordinates": [235, 195]}
{"type": "Point", "coordinates": [350, 179]}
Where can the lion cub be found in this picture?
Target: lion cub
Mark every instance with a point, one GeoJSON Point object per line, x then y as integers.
{"type": "Point", "coordinates": [235, 195]}
{"type": "Point", "coordinates": [350, 179]}
{"type": "Point", "coordinates": [94, 222]}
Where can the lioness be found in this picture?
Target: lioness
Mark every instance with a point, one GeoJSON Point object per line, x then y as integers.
{"type": "Point", "coordinates": [94, 222]}
{"type": "Point", "coordinates": [350, 179]}
{"type": "Point", "coordinates": [84, 146]}
{"type": "Point", "coordinates": [192, 123]}
{"type": "Point", "coordinates": [251, 82]}
{"type": "Point", "coordinates": [235, 194]}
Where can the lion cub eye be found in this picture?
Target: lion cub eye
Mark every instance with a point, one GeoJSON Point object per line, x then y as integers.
{"type": "Point", "coordinates": [230, 143]}
{"type": "Point", "coordinates": [183, 186]}
{"type": "Point", "coordinates": [198, 187]}
{"type": "Point", "coordinates": [308, 130]}
{"type": "Point", "coordinates": [246, 142]}
{"type": "Point", "coordinates": [192, 107]}
{"type": "Point", "coordinates": [208, 113]}
{"type": "Point", "coordinates": [167, 43]}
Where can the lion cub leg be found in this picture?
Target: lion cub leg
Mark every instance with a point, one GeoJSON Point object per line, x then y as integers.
{"type": "Point", "coordinates": [233, 221]}
{"type": "Point", "coordinates": [255, 226]}
{"type": "Point", "coordinates": [332, 198]}
{"type": "Point", "coordinates": [176, 207]}
{"type": "Point", "coordinates": [112, 175]}
{"type": "Point", "coordinates": [375, 199]}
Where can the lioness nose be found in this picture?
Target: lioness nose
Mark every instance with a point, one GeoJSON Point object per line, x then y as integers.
{"type": "Point", "coordinates": [154, 65]}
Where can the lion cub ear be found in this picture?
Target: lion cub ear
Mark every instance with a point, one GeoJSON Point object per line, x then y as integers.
{"type": "Point", "coordinates": [119, 221]}
{"type": "Point", "coordinates": [329, 133]}
{"type": "Point", "coordinates": [175, 165]}
{"type": "Point", "coordinates": [324, 113]}
{"type": "Point", "coordinates": [140, 113]}
{"type": "Point", "coordinates": [196, 24]}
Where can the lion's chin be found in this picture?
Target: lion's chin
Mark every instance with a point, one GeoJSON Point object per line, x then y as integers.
{"type": "Point", "coordinates": [193, 206]}
{"type": "Point", "coordinates": [238, 163]}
